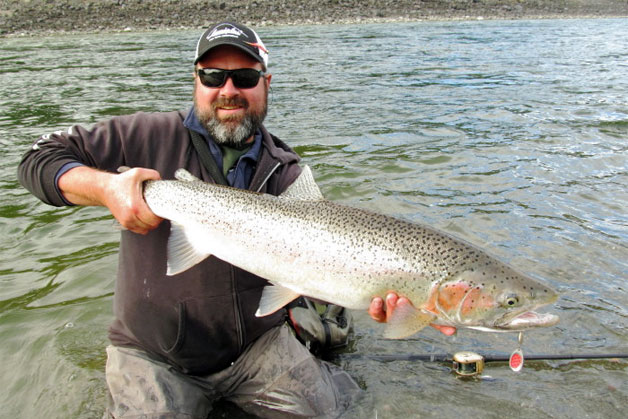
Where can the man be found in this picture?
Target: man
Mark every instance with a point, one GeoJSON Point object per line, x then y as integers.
{"type": "Point", "coordinates": [179, 344]}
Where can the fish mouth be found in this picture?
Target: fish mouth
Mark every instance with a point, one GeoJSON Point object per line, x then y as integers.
{"type": "Point", "coordinates": [528, 320]}
{"type": "Point", "coordinates": [520, 322]}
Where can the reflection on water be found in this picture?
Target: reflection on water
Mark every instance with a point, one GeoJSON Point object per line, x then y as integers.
{"type": "Point", "coordinates": [511, 135]}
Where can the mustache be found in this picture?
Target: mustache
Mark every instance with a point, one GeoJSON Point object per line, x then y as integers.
{"type": "Point", "coordinates": [231, 102]}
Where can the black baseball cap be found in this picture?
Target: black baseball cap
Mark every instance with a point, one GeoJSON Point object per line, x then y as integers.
{"type": "Point", "coordinates": [228, 33]}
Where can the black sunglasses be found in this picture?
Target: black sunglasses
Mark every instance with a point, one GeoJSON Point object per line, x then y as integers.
{"type": "Point", "coordinates": [243, 78]}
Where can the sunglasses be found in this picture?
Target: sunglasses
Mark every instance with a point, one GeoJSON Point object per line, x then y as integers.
{"type": "Point", "coordinates": [243, 78]}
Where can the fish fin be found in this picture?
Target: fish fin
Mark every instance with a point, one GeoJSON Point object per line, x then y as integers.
{"type": "Point", "coordinates": [304, 188]}
{"type": "Point", "coordinates": [181, 254]}
{"type": "Point", "coordinates": [184, 175]}
{"type": "Point", "coordinates": [273, 298]}
{"type": "Point", "coordinates": [405, 321]}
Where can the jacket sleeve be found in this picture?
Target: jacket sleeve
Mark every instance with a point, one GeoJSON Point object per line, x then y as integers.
{"type": "Point", "coordinates": [39, 166]}
{"type": "Point", "coordinates": [104, 146]}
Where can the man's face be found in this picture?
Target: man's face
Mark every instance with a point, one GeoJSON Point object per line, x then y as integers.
{"type": "Point", "coordinates": [230, 114]}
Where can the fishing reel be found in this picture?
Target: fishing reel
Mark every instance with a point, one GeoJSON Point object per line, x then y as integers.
{"type": "Point", "coordinates": [468, 364]}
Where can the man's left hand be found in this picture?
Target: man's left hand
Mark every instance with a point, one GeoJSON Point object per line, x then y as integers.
{"type": "Point", "coordinates": [381, 313]}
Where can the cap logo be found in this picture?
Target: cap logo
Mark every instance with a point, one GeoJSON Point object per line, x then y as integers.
{"type": "Point", "coordinates": [259, 46]}
{"type": "Point", "coordinates": [261, 49]}
{"type": "Point", "coordinates": [229, 31]}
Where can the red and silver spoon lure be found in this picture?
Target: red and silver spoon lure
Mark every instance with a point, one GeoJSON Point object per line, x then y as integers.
{"type": "Point", "coordinates": [516, 358]}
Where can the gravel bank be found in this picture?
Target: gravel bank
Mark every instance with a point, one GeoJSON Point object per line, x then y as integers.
{"type": "Point", "coordinates": [41, 16]}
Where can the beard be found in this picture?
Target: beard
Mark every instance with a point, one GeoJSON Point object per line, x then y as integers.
{"type": "Point", "coordinates": [232, 131]}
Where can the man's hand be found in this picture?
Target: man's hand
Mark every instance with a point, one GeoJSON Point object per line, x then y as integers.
{"type": "Point", "coordinates": [125, 199]}
{"type": "Point", "coordinates": [121, 193]}
{"type": "Point", "coordinates": [381, 313]}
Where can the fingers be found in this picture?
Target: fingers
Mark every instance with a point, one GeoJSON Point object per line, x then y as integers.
{"type": "Point", "coordinates": [382, 313]}
{"type": "Point", "coordinates": [446, 330]}
{"type": "Point", "coordinates": [125, 200]}
{"type": "Point", "coordinates": [376, 310]}
{"type": "Point", "coordinates": [145, 220]}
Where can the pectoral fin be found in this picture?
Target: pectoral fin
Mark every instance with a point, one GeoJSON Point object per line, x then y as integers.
{"type": "Point", "coordinates": [182, 255]}
{"type": "Point", "coordinates": [273, 298]}
{"type": "Point", "coordinates": [405, 321]}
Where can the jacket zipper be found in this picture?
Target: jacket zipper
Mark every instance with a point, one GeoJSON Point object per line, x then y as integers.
{"type": "Point", "coordinates": [234, 291]}
{"type": "Point", "coordinates": [238, 310]}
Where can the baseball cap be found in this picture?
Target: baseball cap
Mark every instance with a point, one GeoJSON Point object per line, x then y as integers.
{"type": "Point", "coordinates": [228, 33]}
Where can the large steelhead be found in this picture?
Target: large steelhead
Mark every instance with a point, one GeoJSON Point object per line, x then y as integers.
{"type": "Point", "coordinates": [306, 245]}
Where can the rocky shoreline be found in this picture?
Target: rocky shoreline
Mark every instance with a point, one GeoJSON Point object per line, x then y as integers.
{"type": "Point", "coordinates": [24, 17]}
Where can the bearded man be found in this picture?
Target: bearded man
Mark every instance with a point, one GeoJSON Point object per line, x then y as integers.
{"type": "Point", "coordinates": [180, 343]}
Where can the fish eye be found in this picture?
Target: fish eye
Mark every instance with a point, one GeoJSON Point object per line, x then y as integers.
{"type": "Point", "coordinates": [511, 300]}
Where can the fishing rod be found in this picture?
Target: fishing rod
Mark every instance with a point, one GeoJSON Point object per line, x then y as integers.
{"type": "Point", "coordinates": [467, 363]}
{"type": "Point", "coordinates": [487, 358]}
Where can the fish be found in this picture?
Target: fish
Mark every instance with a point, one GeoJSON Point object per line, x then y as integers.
{"type": "Point", "coordinates": [306, 245]}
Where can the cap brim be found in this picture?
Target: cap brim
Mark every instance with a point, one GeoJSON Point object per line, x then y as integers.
{"type": "Point", "coordinates": [256, 57]}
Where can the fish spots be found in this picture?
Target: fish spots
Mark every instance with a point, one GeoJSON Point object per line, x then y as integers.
{"type": "Point", "coordinates": [462, 301]}
{"type": "Point", "coordinates": [349, 251]}
{"type": "Point", "coordinates": [469, 302]}
{"type": "Point", "coordinates": [451, 295]}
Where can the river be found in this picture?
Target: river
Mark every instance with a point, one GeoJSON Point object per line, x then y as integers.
{"type": "Point", "coordinates": [510, 134]}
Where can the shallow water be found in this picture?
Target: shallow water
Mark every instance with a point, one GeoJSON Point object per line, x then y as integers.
{"type": "Point", "coordinates": [512, 135]}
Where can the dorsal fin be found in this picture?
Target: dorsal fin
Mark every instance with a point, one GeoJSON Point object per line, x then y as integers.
{"type": "Point", "coordinates": [304, 188]}
{"type": "Point", "coordinates": [185, 176]}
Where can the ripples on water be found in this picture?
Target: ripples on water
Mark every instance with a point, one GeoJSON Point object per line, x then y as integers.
{"type": "Point", "coordinates": [509, 134]}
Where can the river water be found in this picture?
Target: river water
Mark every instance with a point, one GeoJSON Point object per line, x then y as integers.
{"type": "Point", "coordinates": [510, 134]}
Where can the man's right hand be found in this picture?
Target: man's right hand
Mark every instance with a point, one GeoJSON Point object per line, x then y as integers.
{"type": "Point", "coordinates": [120, 193]}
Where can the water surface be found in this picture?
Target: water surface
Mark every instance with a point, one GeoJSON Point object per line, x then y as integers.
{"type": "Point", "coordinates": [512, 135]}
